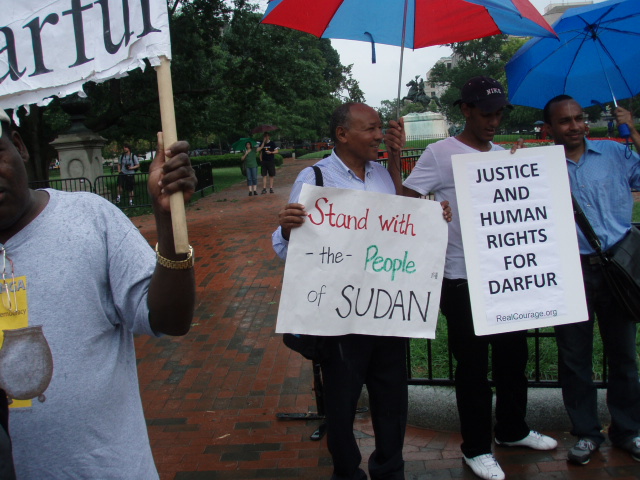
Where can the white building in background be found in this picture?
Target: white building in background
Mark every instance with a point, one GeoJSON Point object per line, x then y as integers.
{"type": "Point", "coordinates": [437, 89]}
{"type": "Point", "coordinates": [419, 126]}
{"type": "Point", "coordinates": [554, 11]}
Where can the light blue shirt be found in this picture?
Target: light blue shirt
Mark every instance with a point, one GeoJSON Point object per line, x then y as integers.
{"type": "Point", "coordinates": [336, 174]}
{"type": "Point", "coordinates": [602, 181]}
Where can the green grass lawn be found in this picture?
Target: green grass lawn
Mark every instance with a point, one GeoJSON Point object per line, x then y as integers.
{"type": "Point", "coordinates": [318, 155]}
{"type": "Point", "coordinates": [443, 368]}
{"type": "Point", "coordinates": [225, 177]}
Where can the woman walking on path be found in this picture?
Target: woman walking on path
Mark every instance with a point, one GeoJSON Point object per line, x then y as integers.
{"type": "Point", "coordinates": [252, 168]}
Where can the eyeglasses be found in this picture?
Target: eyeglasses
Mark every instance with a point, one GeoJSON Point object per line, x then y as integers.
{"type": "Point", "coordinates": [9, 298]}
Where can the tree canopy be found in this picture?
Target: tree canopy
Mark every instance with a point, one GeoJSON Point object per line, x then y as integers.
{"type": "Point", "coordinates": [486, 56]}
{"type": "Point", "coordinates": [230, 73]}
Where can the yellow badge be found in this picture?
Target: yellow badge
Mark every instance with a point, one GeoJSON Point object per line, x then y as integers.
{"type": "Point", "coordinates": [14, 313]}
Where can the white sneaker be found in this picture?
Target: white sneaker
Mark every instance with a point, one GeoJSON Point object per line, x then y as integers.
{"type": "Point", "coordinates": [534, 440]}
{"type": "Point", "coordinates": [485, 466]}
{"type": "Point", "coordinates": [118, 199]}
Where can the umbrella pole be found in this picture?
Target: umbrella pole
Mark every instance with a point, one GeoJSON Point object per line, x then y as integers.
{"type": "Point", "coordinates": [404, 31]}
{"type": "Point", "coordinates": [623, 129]}
{"type": "Point", "coordinates": [170, 134]}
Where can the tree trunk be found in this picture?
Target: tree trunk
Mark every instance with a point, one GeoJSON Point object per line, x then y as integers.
{"type": "Point", "coordinates": [36, 142]}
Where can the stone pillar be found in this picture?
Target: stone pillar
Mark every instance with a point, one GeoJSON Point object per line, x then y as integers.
{"type": "Point", "coordinates": [80, 149]}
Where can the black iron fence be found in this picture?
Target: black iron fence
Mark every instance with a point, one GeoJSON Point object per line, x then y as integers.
{"type": "Point", "coordinates": [108, 187]}
{"type": "Point", "coordinates": [408, 158]}
{"type": "Point", "coordinates": [433, 365]}
{"type": "Point", "coordinates": [64, 184]}
{"type": "Point", "coordinates": [436, 359]}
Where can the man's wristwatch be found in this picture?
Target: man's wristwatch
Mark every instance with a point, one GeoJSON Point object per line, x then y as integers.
{"type": "Point", "coordinates": [175, 264]}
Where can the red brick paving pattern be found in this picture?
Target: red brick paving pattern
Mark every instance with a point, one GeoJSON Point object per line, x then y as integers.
{"type": "Point", "coordinates": [210, 398]}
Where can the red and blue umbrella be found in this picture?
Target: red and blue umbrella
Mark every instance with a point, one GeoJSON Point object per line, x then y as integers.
{"type": "Point", "coordinates": [425, 22]}
{"type": "Point", "coordinates": [408, 23]}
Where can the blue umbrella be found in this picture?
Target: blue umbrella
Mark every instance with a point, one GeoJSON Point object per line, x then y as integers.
{"type": "Point", "coordinates": [595, 60]}
{"type": "Point", "coordinates": [408, 23]}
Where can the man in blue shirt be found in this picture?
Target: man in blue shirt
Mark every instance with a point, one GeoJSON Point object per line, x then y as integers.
{"type": "Point", "coordinates": [350, 361]}
{"type": "Point", "coordinates": [601, 174]}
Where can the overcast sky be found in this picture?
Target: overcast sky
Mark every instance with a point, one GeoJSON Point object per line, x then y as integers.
{"type": "Point", "coordinates": [379, 81]}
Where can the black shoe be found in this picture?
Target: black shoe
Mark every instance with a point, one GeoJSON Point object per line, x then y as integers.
{"type": "Point", "coordinates": [264, 190]}
{"type": "Point", "coordinates": [632, 446]}
{"type": "Point", "coordinates": [271, 190]}
{"type": "Point", "coordinates": [581, 452]}
{"type": "Point", "coordinates": [250, 194]}
{"type": "Point", "coordinates": [255, 192]}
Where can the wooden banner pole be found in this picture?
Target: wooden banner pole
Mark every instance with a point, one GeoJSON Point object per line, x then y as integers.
{"type": "Point", "coordinates": [168, 117]}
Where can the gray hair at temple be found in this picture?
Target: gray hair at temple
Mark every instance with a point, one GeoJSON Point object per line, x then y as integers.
{"type": "Point", "coordinates": [4, 118]}
{"type": "Point", "coordinates": [340, 118]}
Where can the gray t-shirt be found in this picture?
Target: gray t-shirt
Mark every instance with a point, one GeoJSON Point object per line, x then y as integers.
{"type": "Point", "coordinates": [87, 272]}
{"type": "Point", "coordinates": [127, 161]}
{"type": "Point", "coordinates": [434, 174]}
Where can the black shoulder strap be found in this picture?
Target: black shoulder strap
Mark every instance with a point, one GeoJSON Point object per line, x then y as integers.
{"type": "Point", "coordinates": [585, 226]}
{"type": "Point", "coordinates": [318, 172]}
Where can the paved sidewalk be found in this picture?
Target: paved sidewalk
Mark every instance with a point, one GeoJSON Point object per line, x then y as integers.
{"type": "Point", "coordinates": [210, 398]}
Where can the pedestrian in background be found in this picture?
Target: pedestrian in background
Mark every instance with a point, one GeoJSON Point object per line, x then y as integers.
{"type": "Point", "coordinates": [251, 166]}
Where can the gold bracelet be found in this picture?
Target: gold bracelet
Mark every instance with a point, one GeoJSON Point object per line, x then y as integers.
{"type": "Point", "coordinates": [175, 264]}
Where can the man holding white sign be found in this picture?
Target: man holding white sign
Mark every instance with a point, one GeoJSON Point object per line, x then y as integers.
{"type": "Point", "coordinates": [482, 104]}
{"type": "Point", "coordinates": [601, 174]}
{"type": "Point", "coordinates": [350, 361]}
{"type": "Point", "coordinates": [88, 277]}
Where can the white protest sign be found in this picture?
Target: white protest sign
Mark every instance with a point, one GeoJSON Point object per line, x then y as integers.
{"type": "Point", "coordinates": [52, 47]}
{"type": "Point", "coordinates": [364, 262]}
{"type": "Point", "coordinates": [519, 236]}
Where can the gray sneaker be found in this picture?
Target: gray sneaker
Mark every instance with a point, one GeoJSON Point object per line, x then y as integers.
{"type": "Point", "coordinates": [632, 446]}
{"type": "Point", "coordinates": [581, 452]}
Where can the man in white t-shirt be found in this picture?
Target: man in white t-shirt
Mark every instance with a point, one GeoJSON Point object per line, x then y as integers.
{"type": "Point", "coordinates": [482, 104]}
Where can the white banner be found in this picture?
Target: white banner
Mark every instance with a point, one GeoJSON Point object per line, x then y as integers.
{"type": "Point", "coordinates": [519, 237]}
{"type": "Point", "coordinates": [52, 47]}
{"type": "Point", "coordinates": [364, 262]}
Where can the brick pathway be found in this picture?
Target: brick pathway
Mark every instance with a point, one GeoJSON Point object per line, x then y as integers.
{"type": "Point", "coordinates": [210, 398]}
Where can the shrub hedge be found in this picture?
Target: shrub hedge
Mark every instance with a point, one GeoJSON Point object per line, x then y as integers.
{"type": "Point", "coordinates": [216, 161]}
{"type": "Point", "coordinates": [288, 152]}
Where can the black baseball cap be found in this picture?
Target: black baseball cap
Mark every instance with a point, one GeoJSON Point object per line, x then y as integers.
{"type": "Point", "coordinates": [485, 93]}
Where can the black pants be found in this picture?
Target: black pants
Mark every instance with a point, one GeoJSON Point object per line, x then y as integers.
{"type": "Point", "coordinates": [575, 350]}
{"type": "Point", "coordinates": [473, 392]}
{"type": "Point", "coordinates": [6, 460]}
{"type": "Point", "coordinates": [127, 181]}
{"type": "Point", "coordinates": [347, 363]}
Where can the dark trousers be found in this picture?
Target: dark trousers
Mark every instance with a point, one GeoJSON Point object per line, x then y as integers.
{"type": "Point", "coordinates": [6, 460]}
{"type": "Point", "coordinates": [348, 362]}
{"type": "Point", "coordinates": [575, 352]}
{"type": "Point", "coordinates": [473, 392]}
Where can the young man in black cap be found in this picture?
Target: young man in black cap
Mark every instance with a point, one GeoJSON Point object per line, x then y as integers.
{"type": "Point", "coordinates": [482, 104]}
